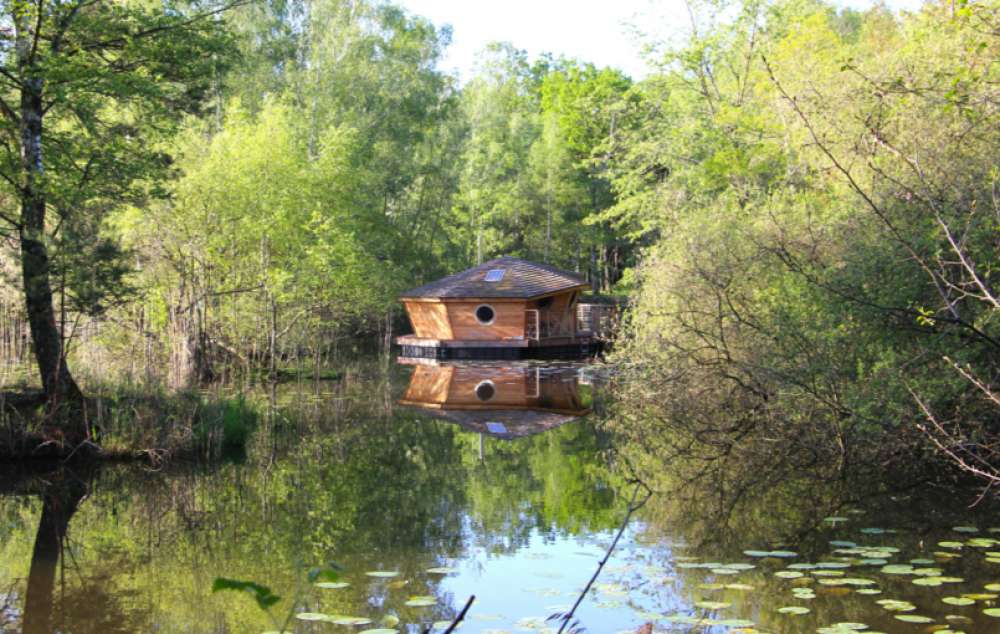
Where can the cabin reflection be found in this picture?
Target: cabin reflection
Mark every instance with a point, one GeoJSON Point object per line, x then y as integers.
{"type": "Point", "coordinates": [500, 401]}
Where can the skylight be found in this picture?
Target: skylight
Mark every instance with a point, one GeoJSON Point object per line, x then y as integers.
{"type": "Point", "coordinates": [494, 275]}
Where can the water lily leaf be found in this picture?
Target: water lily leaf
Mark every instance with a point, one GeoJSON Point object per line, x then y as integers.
{"type": "Point", "coordinates": [868, 591]}
{"type": "Point", "coordinates": [442, 570]}
{"type": "Point", "coordinates": [788, 574]}
{"type": "Point", "coordinates": [895, 605]}
{"type": "Point", "coordinates": [827, 573]}
{"type": "Point", "coordinates": [898, 569]}
{"type": "Point", "coordinates": [954, 545]}
{"type": "Point", "coordinates": [712, 605]}
{"type": "Point", "coordinates": [332, 585]}
{"type": "Point", "coordinates": [311, 616]}
{"type": "Point", "coordinates": [993, 587]}
{"type": "Point", "coordinates": [843, 544]}
{"type": "Point", "coordinates": [793, 609]}
{"type": "Point", "coordinates": [980, 596]}
{"type": "Point", "coordinates": [422, 601]}
{"type": "Point", "coordinates": [383, 574]}
{"type": "Point", "coordinates": [958, 600]}
{"type": "Point", "coordinates": [343, 619]}
{"type": "Point", "coordinates": [995, 612]}
{"type": "Point", "coordinates": [913, 618]}
{"type": "Point", "coordinates": [965, 529]}
{"type": "Point", "coordinates": [739, 586]}
{"type": "Point", "coordinates": [742, 624]}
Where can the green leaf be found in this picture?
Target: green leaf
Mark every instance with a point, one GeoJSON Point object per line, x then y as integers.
{"type": "Point", "coordinates": [261, 594]}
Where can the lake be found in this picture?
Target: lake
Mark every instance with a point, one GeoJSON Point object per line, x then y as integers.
{"type": "Point", "coordinates": [423, 484]}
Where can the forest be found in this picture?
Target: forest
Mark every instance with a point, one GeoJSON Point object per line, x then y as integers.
{"type": "Point", "coordinates": [800, 202]}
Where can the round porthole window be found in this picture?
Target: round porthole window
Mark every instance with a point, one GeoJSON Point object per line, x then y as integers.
{"type": "Point", "coordinates": [485, 390]}
{"type": "Point", "coordinates": [485, 314]}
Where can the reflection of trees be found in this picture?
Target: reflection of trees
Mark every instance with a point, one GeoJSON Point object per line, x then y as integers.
{"type": "Point", "coordinates": [61, 492]}
{"type": "Point", "coordinates": [349, 480]}
{"type": "Point", "coordinates": [548, 482]}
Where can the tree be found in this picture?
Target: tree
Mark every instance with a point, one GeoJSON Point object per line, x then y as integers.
{"type": "Point", "coordinates": [87, 90]}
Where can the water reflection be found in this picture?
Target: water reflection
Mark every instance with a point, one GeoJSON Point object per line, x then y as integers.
{"type": "Point", "coordinates": [339, 473]}
{"type": "Point", "coordinates": [497, 400]}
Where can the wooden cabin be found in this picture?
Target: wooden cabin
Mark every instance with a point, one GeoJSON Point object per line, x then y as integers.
{"type": "Point", "coordinates": [504, 402]}
{"type": "Point", "coordinates": [506, 308]}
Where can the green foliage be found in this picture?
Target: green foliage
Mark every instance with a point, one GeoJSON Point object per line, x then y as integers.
{"type": "Point", "coordinates": [262, 595]}
{"type": "Point", "coordinates": [803, 176]}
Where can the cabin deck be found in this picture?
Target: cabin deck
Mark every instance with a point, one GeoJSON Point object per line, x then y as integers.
{"type": "Point", "coordinates": [581, 345]}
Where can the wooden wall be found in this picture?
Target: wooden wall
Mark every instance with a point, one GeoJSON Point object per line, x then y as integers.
{"type": "Point", "coordinates": [560, 315]}
{"type": "Point", "coordinates": [507, 324]}
{"type": "Point", "coordinates": [457, 319]}
{"type": "Point", "coordinates": [429, 320]}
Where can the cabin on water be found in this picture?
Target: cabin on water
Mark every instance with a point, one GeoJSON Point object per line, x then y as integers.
{"type": "Point", "coordinates": [506, 308]}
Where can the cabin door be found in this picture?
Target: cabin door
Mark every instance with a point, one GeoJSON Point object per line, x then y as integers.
{"type": "Point", "coordinates": [531, 325]}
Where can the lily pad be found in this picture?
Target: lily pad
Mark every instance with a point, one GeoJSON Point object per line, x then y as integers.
{"type": "Point", "coordinates": [793, 609]}
{"type": "Point", "coordinates": [383, 574]}
{"type": "Point", "coordinates": [311, 616]}
{"type": "Point", "coordinates": [712, 605]}
{"type": "Point", "coordinates": [341, 619]}
{"type": "Point", "coordinates": [332, 585]}
{"type": "Point", "coordinates": [422, 601]}
{"type": "Point", "coordinates": [444, 570]}
{"type": "Point", "coordinates": [913, 618]}
{"type": "Point", "coordinates": [995, 612]}
{"type": "Point", "coordinates": [958, 601]}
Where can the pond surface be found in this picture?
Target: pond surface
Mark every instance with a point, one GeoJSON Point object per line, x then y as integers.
{"type": "Point", "coordinates": [428, 483]}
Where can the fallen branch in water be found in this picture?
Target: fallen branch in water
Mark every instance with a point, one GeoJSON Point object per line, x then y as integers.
{"type": "Point", "coordinates": [633, 506]}
{"type": "Point", "coordinates": [458, 619]}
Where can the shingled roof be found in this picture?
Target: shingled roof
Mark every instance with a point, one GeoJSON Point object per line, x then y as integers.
{"type": "Point", "coordinates": [521, 280]}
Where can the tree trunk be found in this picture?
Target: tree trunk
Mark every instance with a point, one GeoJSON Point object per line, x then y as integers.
{"type": "Point", "coordinates": [60, 388]}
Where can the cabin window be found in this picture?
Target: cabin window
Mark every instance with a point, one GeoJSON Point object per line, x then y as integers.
{"type": "Point", "coordinates": [494, 275]}
{"type": "Point", "coordinates": [485, 390]}
{"type": "Point", "coordinates": [485, 314]}
{"type": "Point", "coordinates": [545, 302]}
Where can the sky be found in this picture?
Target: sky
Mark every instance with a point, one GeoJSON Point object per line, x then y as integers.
{"type": "Point", "coordinates": [605, 32]}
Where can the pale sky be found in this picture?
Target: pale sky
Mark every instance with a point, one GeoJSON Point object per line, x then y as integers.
{"type": "Point", "coordinates": [600, 31]}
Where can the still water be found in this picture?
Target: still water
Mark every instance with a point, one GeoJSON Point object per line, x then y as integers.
{"type": "Point", "coordinates": [425, 484]}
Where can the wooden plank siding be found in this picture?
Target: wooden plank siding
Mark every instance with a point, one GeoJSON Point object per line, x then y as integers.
{"type": "Point", "coordinates": [508, 322]}
{"type": "Point", "coordinates": [429, 319]}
